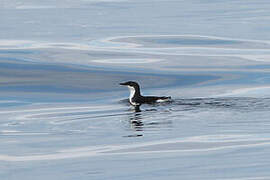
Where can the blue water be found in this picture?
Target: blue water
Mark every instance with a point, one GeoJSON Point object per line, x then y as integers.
{"type": "Point", "coordinates": [63, 114]}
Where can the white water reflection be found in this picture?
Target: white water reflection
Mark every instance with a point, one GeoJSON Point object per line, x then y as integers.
{"type": "Point", "coordinates": [126, 61]}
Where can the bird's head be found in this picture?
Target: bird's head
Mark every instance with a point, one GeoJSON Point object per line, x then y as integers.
{"type": "Point", "coordinates": [133, 87]}
{"type": "Point", "coordinates": [130, 84]}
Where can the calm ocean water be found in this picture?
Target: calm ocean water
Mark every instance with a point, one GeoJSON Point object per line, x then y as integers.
{"type": "Point", "coordinates": [63, 114]}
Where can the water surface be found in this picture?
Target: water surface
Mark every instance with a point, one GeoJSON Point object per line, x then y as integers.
{"type": "Point", "coordinates": [63, 114]}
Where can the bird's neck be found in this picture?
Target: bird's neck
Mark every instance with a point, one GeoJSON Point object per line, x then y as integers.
{"type": "Point", "coordinates": [134, 91]}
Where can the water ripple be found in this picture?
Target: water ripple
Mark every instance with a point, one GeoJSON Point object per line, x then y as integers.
{"type": "Point", "coordinates": [197, 144]}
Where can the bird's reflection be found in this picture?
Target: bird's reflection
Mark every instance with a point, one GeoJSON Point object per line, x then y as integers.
{"type": "Point", "coordinates": [139, 119]}
{"type": "Point", "coordinates": [137, 109]}
{"type": "Point", "coordinates": [136, 121]}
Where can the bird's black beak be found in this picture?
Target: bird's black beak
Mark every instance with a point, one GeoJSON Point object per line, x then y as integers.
{"type": "Point", "coordinates": [123, 84]}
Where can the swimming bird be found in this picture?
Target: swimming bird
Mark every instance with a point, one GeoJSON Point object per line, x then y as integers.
{"type": "Point", "coordinates": [135, 97]}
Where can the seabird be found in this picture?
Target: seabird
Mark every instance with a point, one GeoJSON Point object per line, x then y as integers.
{"type": "Point", "coordinates": [135, 97]}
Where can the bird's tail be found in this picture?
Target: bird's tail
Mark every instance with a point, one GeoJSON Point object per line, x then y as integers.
{"type": "Point", "coordinates": [164, 99]}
